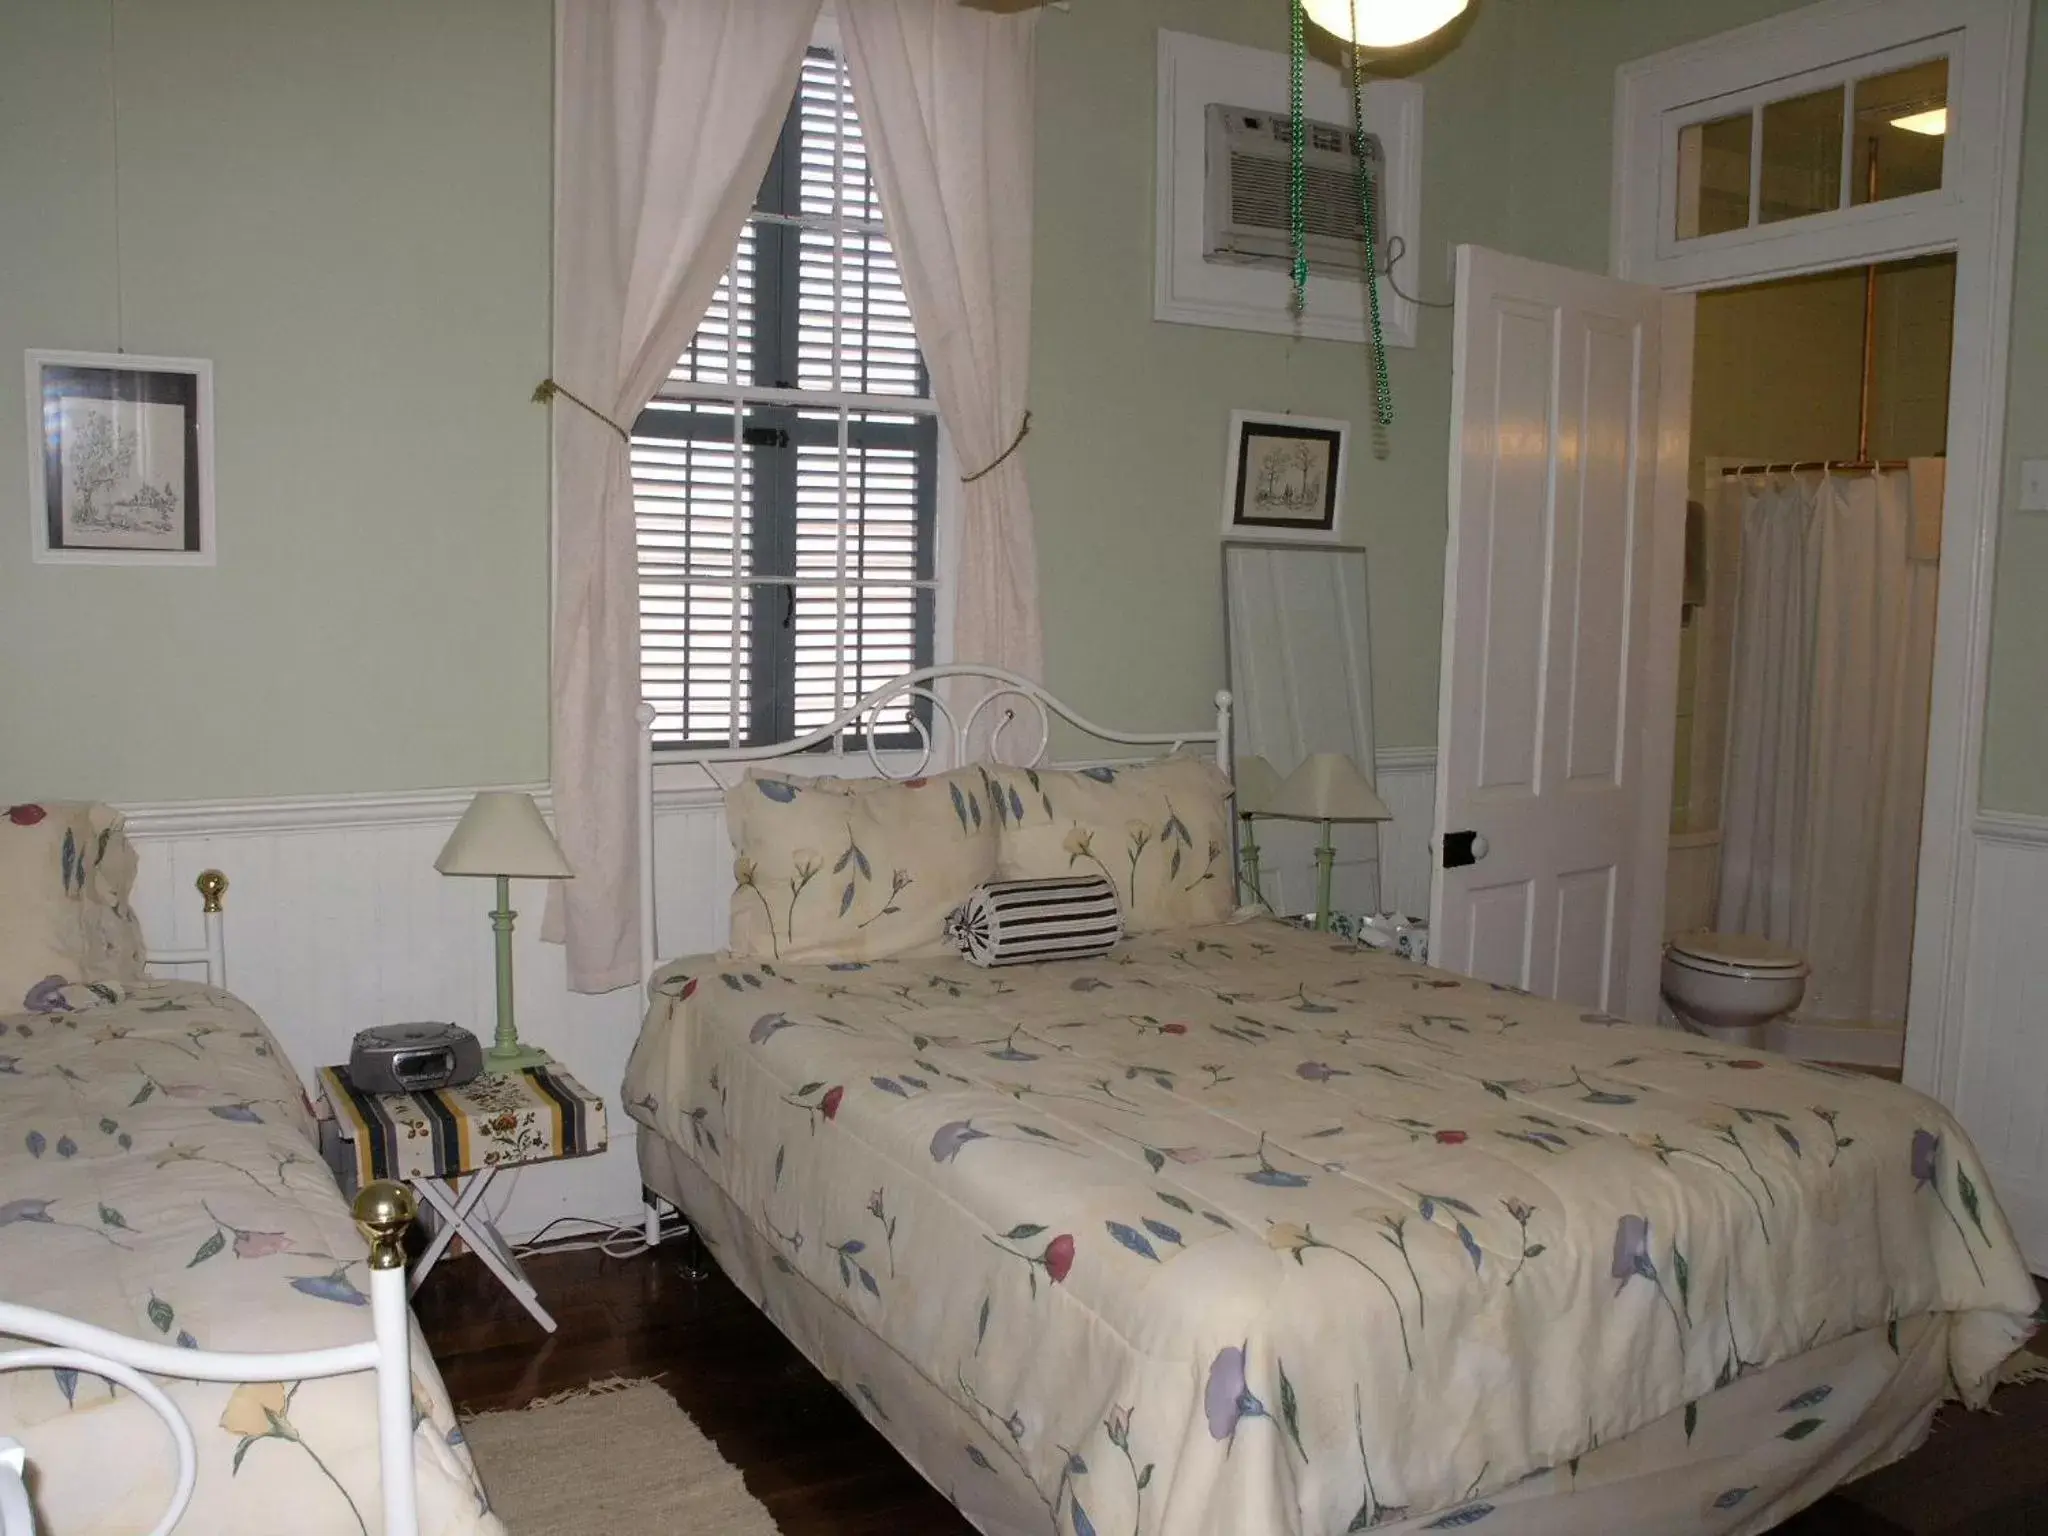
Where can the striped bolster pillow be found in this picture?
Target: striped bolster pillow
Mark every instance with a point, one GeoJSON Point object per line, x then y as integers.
{"type": "Point", "coordinates": [1012, 922]}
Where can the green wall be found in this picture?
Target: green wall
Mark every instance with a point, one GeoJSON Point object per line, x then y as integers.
{"type": "Point", "coordinates": [346, 207]}
{"type": "Point", "coordinates": [1130, 416]}
{"type": "Point", "coordinates": [345, 204]}
{"type": "Point", "coordinates": [2016, 729]}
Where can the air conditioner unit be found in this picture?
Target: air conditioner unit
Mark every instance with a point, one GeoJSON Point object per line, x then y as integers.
{"type": "Point", "coordinates": [1245, 205]}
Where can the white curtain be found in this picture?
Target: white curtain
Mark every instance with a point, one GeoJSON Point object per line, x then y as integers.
{"type": "Point", "coordinates": [666, 115]}
{"type": "Point", "coordinates": [946, 105]}
{"type": "Point", "coordinates": [1827, 749]}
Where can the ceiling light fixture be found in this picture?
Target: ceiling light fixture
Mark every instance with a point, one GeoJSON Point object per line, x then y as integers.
{"type": "Point", "coordinates": [1384, 23]}
{"type": "Point", "coordinates": [1933, 123]}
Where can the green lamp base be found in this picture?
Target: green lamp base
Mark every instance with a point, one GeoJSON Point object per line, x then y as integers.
{"type": "Point", "coordinates": [505, 1053]}
{"type": "Point", "coordinates": [514, 1058]}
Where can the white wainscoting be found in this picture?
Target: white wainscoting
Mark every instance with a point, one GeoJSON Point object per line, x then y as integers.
{"type": "Point", "coordinates": [337, 920]}
{"type": "Point", "coordinates": [1376, 870]}
{"type": "Point", "coordinates": [1406, 780]}
{"type": "Point", "coordinates": [2001, 1082]}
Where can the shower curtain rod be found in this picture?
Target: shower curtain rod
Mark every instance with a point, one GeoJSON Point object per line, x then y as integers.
{"type": "Point", "coordinates": [1847, 466]}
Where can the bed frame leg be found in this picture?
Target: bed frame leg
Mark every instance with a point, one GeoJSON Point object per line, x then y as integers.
{"type": "Point", "coordinates": [695, 1260]}
{"type": "Point", "coordinates": [691, 1257]}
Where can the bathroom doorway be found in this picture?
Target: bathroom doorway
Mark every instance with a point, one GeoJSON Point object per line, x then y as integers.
{"type": "Point", "coordinates": [1813, 540]}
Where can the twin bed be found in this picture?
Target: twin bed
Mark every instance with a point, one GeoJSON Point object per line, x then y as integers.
{"type": "Point", "coordinates": [194, 1334]}
{"type": "Point", "coordinates": [1241, 1229]}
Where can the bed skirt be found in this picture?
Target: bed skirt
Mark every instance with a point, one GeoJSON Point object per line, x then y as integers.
{"type": "Point", "coordinates": [1734, 1463]}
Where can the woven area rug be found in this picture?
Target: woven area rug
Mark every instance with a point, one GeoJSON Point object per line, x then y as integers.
{"type": "Point", "coordinates": [613, 1456]}
{"type": "Point", "coordinates": [2023, 1369]}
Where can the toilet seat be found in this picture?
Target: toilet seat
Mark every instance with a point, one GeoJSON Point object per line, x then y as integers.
{"type": "Point", "coordinates": [1735, 954]}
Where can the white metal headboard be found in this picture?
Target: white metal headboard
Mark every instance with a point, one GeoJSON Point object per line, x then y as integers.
{"type": "Point", "coordinates": [213, 953]}
{"type": "Point", "coordinates": [1004, 700]}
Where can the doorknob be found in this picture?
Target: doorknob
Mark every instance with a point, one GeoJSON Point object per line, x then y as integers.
{"type": "Point", "coordinates": [1463, 848]}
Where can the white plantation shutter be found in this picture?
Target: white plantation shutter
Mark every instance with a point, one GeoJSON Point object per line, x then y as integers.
{"type": "Point", "coordinates": [784, 476]}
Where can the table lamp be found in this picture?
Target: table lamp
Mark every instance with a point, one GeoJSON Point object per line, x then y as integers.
{"type": "Point", "coordinates": [502, 835]}
{"type": "Point", "coordinates": [1257, 779]}
{"type": "Point", "coordinates": [1327, 787]}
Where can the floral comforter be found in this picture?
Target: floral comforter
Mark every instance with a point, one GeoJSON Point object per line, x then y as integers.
{"type": "Point", "coordinates": [1241, 1229]}
{"type": "Point", "coordinates": [158, 1177]}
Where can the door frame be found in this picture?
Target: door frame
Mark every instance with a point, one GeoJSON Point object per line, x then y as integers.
{"type": "Point", "coordinates": [1978, 223]}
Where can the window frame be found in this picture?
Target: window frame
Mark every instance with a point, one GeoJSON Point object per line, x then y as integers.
{"type": "Point", "coordinates": [778, 420]}
{"type": "Point", "coordinates": [1802, 51]}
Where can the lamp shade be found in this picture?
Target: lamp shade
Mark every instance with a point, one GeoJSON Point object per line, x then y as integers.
{"type": "Point", "coordinates": [1384, 23]}
{"type": "Point", "coordinates": [1257, 782]}
{"type": "Point", "coordinates": [502, 833]}
{"type": "Point", "coordinates": [1328, 787]}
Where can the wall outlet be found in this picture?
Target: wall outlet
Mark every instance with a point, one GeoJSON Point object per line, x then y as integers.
{"type": "Point", "coordinates": [2034, 485]}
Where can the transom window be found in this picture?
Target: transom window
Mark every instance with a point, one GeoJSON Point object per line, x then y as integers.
{"type": "Point", "coordinates": [1877, 131]}
{"type": "Point", "coordinates": [784, 476]}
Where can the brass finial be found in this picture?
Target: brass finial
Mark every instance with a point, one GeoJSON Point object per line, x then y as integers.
{"type": "Point", "coordinates": [212, 886]}
{"type": "Point", "coordinates": [383, 1211]}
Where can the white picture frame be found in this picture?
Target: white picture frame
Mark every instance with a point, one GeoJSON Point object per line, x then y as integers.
{"type": "Point", "coordinates": [1283, 477]}
{"type": "Point", "coordinates": [120, 455]}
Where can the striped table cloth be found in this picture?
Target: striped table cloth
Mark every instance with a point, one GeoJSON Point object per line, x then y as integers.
{"type": "Point", "coordinates": [491, 1121]}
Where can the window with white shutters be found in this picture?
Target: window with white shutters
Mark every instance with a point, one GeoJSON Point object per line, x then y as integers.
{"type": "Point", "coordinates": [784, 476]}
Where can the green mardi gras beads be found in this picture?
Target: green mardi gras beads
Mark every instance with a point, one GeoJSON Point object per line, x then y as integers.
{"type": "Point", "coordinates": [1296, 172]}
{"type": "Point", "coordinates": [1368, 195]}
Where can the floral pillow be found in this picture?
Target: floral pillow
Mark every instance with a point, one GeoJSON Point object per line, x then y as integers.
{"type": "Point", "coordinates": [66, 871]}
{"type": "Point", "coordinates": [1160, 831]}
{"type": "Point", "coordinates": [855, 869]}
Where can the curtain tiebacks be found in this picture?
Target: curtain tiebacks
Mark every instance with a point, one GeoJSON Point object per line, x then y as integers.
{"type": "Point", "coordinates": [1016, 442]}
{"type": "Point", "coordinates": [547, 389]}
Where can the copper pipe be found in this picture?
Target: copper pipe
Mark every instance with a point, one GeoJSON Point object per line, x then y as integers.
{"type": "Point", "coordinates": [1869, 328]}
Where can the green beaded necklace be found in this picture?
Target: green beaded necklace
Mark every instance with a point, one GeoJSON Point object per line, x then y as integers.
{"type": "Point", "coordinates": [1368, 196]}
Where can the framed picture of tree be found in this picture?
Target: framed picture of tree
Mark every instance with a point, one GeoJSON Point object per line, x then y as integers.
{"type": "Point", "coordinates": [120, 459]}
{"type": "Point", "coordinates": [1285, 477]}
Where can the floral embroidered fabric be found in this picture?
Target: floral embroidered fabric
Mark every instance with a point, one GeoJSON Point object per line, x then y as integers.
{"type": "Point", "coordinates": [66, 870]}
{"type": "Point", "coordinates": [854, 869]}
{"type": "Point", "coordinates": [1159, 831]}
{"type": "Point", "coordinates": [158, 1177]}
{"type": "Point", "coordinates": [1242, 1229]}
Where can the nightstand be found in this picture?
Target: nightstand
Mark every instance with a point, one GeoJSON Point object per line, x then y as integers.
{"type": "Point", "coordinates": [449, 1143]}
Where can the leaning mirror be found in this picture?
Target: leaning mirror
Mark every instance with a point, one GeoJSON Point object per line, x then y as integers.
{"type": "Point", "coordinates": [1300, 665]}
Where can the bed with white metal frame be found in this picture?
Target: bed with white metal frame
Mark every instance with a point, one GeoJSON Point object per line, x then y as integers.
{"type": "Point", "coordinates": [383, 1212]}
{"type": "Point", "coordinates": [987, 721]}
{"type": "Point", "coordinates": [1883, 1380]}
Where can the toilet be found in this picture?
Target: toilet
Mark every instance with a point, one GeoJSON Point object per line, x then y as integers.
{"type": "Point", "coordinates": [1729, 986]}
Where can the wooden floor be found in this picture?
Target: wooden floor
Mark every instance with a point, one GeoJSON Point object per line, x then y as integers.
{"type": "Point", "coordinates": [820, 1469]}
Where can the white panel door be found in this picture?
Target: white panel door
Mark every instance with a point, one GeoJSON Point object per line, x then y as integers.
{"type": "Point", "coordinates": [1561, 606]}
{"type": "Point", "coordinates": [1301, 678]}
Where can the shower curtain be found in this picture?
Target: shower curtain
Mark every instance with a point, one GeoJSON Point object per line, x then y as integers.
{"type": "Point", "coordinates": [1827, 739]}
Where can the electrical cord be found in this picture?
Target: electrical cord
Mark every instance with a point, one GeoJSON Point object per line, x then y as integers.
{"type": "Point", "coordinates": [621, 1240]}
{"type": "Point", "coordinates": [1396, 249]}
